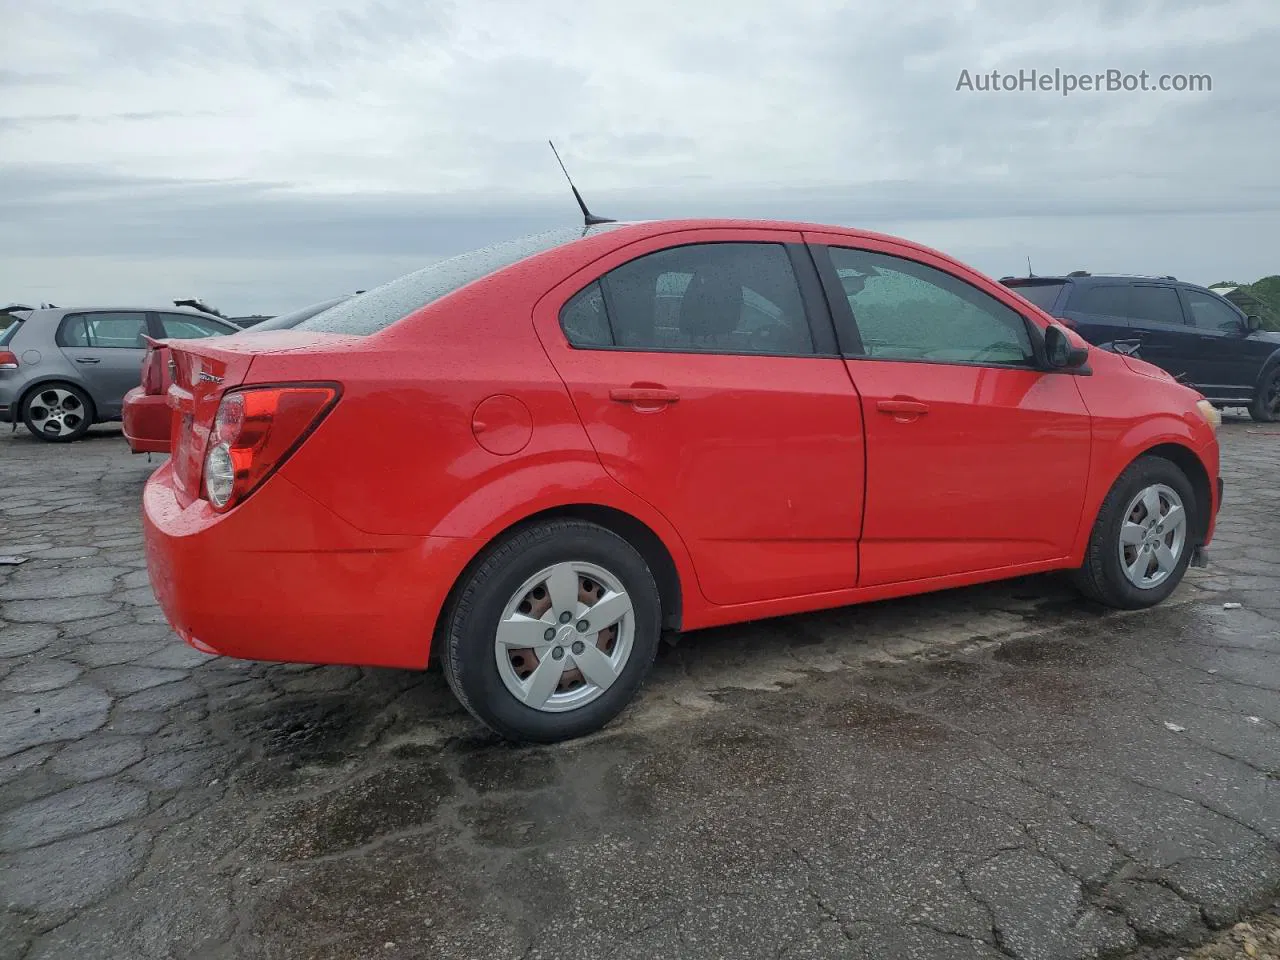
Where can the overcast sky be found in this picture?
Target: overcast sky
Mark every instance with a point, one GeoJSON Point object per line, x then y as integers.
{"type": "Point", "coordinates": [263, 156]}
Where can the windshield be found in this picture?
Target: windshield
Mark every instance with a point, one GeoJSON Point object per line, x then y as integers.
{"type": "Point", "coordinates": [287, 321]}
{"type": "Point", "coordinates": [1043, 295]}
{"type": "Point", "coordinates": [384, 305]}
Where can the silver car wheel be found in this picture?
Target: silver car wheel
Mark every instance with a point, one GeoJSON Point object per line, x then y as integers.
{"type": "Point", "coordinates": [1153, 535]}
{"type": "Point", "coordinates": [56, 412]}
{"type": "Point", "coordinates": [564, 637]}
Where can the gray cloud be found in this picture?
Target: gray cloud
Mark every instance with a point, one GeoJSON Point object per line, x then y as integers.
{"type": "Point", "coordinates": [262, 153]}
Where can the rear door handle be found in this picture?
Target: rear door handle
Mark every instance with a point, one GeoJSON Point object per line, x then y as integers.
{"type": "Point", "coordinates": [643, 395]}
{"type": "Point", "coordinates": [910, 407]}
{"type": "Point", "coordinates": [88, 360]}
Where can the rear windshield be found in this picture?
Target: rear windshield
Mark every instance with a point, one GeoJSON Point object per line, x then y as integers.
{"type": "Point", "coordinates": [287, 321]}
{"type": "Point", "coordinates": [382, 306]}
{"type": "Point", "coordinates": [1043, 295]}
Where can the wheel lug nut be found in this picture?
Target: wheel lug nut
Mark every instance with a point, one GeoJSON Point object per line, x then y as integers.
{"type": "Point", "coordinates": [582, 626]}
{"type": "Point", "coordinates": [579, 647]}
{"type": "Point", "coordinates": [566, 617]}
{"type": "Point", "coordinates": [558, 653]}
{"type": "Point", "coordinates": [549, 634]}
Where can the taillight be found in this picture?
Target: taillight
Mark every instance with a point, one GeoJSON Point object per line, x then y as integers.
{"type": "Point", "coordinates": [255, 430]}
{"type": "Point", "coordinates": [8, 360]}
{"type": "Point", "coordinates": [151, 373]}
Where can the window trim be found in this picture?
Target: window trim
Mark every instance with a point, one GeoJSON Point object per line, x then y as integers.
{"type": "Point", "coordinates": [812, 302]}
{"type": "Point", "coordinates": [59, 336]}
{"type": "Point", "coordinates": [850, 336]}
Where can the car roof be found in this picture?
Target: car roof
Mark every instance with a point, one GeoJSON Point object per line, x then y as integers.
{"type": "Point", "coordinates": [63, 311]}
{"type": "Point", "coordinates": [622, 232]}
{"type": "Point", "coordinates": [1086, 277]}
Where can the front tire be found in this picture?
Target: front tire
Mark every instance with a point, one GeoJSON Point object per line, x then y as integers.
{"type": "Point", "coordinates": [1266, 405]}
{"type": "Point", "coordinates": [1142, 540]}
{"type": "Point", "coordinates": [57, 412]}
{"type": "Point", "coordinates": [552, 632]}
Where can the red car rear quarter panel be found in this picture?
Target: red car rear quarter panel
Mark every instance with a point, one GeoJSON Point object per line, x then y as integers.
{"type": "Point", "coordinates": [402, 451]}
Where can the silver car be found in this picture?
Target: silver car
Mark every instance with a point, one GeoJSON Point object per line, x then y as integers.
{"type": "Point", "coordinates": [64, 369]}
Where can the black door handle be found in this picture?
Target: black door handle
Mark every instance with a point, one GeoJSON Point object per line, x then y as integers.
{"type": "Point", "coordinates": [88, 360]}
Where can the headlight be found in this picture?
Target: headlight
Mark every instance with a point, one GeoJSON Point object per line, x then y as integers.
{"type": "Point", "coordinates": [1210, 414]}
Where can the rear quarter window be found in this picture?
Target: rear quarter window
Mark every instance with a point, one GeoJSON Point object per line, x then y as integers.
{"type": "Point", "coordinates": [8, 327]}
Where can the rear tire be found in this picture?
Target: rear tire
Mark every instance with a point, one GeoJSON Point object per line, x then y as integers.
{"type": "Point", "coordinates": [1137, 554]}
{"type": "Point", "coordinates": [57, 412]}
{"type": "Point", "coordinates": [1266, 405]}
{"type": "Point", "coordinates": [523, 651]}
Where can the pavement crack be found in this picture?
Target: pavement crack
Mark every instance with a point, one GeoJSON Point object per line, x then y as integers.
{"type": "Point", "coordinates": [824, 908]}
{"type": "Point", "coordinates": [1170, 792]}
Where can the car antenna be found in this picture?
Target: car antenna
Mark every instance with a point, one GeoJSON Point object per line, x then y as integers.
{"type": "Point", "coordinates": [588, 217]}
{"type": "Point", "coordinates": [1029, 273]}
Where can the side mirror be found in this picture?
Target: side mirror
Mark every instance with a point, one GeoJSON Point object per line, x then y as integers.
{"type": "Point", "coordinates": [1252, 323]}
{"type": "Point", "coordinates": [1061, 353]}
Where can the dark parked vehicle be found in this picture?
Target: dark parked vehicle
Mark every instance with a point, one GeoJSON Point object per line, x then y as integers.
{"type": "Point", "coordinates": [1201, 338]}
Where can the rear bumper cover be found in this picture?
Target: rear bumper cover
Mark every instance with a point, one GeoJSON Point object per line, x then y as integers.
{"type": "Point", "coordinates": [283, 578]}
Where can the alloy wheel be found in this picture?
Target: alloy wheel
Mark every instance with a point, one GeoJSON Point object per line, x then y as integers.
{"type": "Point", "coordinates": [1153, 535]}
{"type": "Point", "coordinates": [564, 637]}
{"type": "Point", "coordinates": [56, 412]}
{"type": "Point", "coordinates": [1271, 396]}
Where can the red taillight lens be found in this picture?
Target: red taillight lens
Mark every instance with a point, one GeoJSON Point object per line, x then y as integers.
{"type": "Point", "coordinates": [256, 429]}
{"type": "Point", "coordinates": [151, 373]}
{"type": "Point", "coordinates": [8, 360]}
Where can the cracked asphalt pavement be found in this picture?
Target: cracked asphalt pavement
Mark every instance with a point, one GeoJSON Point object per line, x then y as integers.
{"type": "Point", "coordinates": [995, 772]}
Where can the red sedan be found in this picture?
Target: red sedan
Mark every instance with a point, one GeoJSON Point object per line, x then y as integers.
{"type": "Point", "coordinates": [537, 457]}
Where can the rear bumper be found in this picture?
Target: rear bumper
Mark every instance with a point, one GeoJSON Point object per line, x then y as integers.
{"type": "Point", "coordinates": [281, 577]}
{"type": "Point", "coordinates": [147, 421]}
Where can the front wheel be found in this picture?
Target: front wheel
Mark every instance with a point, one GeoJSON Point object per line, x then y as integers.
{"type": "Point", "coordinates": [58, 412]}
{"type": "Point", "coordinates": [1266, 405]}
{"type": "Point", "coordinates": [1142, 540]}
{"type": "Point", "coordinates": [552, 633]}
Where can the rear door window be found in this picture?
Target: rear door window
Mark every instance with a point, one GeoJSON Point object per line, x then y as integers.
{"type": "Point", "coordinates": [739, 298]}
{"type": "Point", "coordinates": [1105, 301]}
{"type": "Point", "coordinates": [112, 330]}
{"type": "Point", "coordinates": [1155, 304]}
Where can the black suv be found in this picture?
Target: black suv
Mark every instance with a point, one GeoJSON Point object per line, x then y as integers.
{"type": "Point", "coordinates": [1201, 338]}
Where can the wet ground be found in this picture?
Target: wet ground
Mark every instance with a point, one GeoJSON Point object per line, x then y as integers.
{"type": "Point", "coordinates": [995, 772]}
